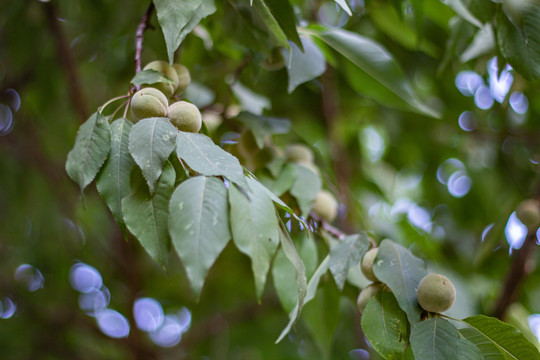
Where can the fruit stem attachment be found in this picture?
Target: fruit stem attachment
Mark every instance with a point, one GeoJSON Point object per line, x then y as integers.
{"type": "Point", "coordinates": [102, 107]}
{"type": "Point", "coordinates": [139, 35]}
{"type": "Point", "coordinates": [125, 103]}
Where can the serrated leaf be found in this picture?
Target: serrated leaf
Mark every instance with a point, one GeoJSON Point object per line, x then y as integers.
{"type": "Point", "coordinates": [150, 77]}
{"type": "Point", "coordinates": [497, 340]}
{"type": "Point", "coordinates": [90, 151]}
{"type": "Point", "coordinates": [310, 294]}
{"type": "Point", "coordinates": [385, 325]}
{"type": "Point", "coordinates": [146, 215]}
{"type": "Point", "coordinates": [305, 188]}
{"type": "Point", "coordinates": [346, 254]}
{"type": "Point", "coordinates": [303, 66]}
{"type": "Point", "coordinates": [255, 230]}
{"type": "Point", "coordinates": [375, 64]}
{"type": "Point", "coordinates": [434, 339]}
{"type": "Point", "coordinates": [262, 126]}
{"type": "Point", "coordinates": [151, 141]}
{"type": "Point", "coordinates": [468, 351]}
{"type": "Point", "coordinates": [520, 46]}
{"type": "Point", "coordinates": [203, 156]}
{"type": "Point", "coordinates": [178, 17]}
{"type": "Point", "coordinates": [271, 22]}
{"type": "Point", "coordinates": [284, 274]}
{"type": "Point", "coordinates": [401, 271]}
{"type": "Point", "coordinates": [113, 180]}
{"type": "Point", "coordinates": [199, 226]}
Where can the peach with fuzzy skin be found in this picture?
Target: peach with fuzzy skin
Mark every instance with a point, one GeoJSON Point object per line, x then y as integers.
{"type": "Point", "coordinates": [325, 205]}
{"type": "Point", "coordinates": [185, 116]}
{"type": "Point", "coordinates": [169, 71]}
{"type": "Point", "coordinates": [184, 78]}
{"type": "Point", "coordinates": [366, 294]}
{"type": "Point", "coordinates": [148, 102]}
{"type": "Point", "coordinates": [436, 293]}
{"type": "Point", "coordinates": [299, 153]}
{"type": "Point", "coordinates": [367, 264]}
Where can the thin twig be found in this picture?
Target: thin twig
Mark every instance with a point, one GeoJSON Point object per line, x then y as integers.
{"type": "Point", "coordinates": [139, 36]}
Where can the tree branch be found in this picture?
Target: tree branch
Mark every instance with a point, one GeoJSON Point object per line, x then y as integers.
{"type": "Point", "coordinates": [66, 61]}
{"type": "Point", "coordinates": [519, 269]}
{"type": "Point", "coordinates": [139, 37]}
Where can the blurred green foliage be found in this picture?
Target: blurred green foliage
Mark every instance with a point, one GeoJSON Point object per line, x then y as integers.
{"type": "Point", "coordinates": [388, 166]}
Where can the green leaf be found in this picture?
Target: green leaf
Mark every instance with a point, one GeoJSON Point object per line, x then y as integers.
{"type": "Point", "coordinates": [497, 340]}
{"type": "Point", "coordinates": [321, 317]}
{"type": "Point", "coordinates": [178, 17]}
{"type": "Point", "coordinates": [346, 254]}
{"type": "Point", "coordinates": [463, 12]}
{"type": "Point", "coordinates": [375, 63]}
{"type": "Point", "coordinates": [385, 325]}
{"type": "Point", "coordinates": [284, 274]}
{"type": "Point", "coordinates": [146, 215]}
{"type": "Point", "coordinates": [310, 294]}
{"type": "Point", "coordinates": [483, 43]}
{"type": "Point", "coordinates": [250, 101]}
{"type": "Point", "coordinates": [468, 351]}
{"type": "Point", "coordinates": [306, 187]}
{"type": "Point", "coordinates": [255, 230]}
{"type": "Point", "coordinates": [203, 156]}
{"type": "Point", "coordinates": [151, 141]}
{"type": "Point", "coordinates": [401, 271]}
{"type": "Point", "coordinates": [435, 339]}
{"type": "Point", "coordinates": [199, 225]}
{"type": "Point", "coordinates": [303, 66]}
{"type": "Point", "coordinates": [271, 23]}
{"type": "Point", "coordinates": [90, 151]}
{"type": "Point", "coordinates": [520, 46]}
{"type": "Point", "coordinates": [113, 180]}
{"type": "Point", "coordinates": [283, 12]}
{"type": "Point", "coordinates": [253, 183]}
{"type": "Point", "coordinates": [262, 126]}
{"type": "Point", "coordinates": [150, 77]}
{"type": "Point", "coordinates": [285, 180]}
{"type": "Point", "coordinates": [344, 6]}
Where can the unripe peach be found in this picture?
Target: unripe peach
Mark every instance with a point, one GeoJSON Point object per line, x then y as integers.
{"type": "Point", "coordinates": [298, 153]}
{"type": "Point", "coordinates": [366, 294]}
{"type": "Point", "coordinates": [184, 78]}
{"type": "Point", "coordinates": [164, 68]}
{"type": "Point", "coordinates": [436, 293]}
{"type": "Point", "coordinates": [367, 264]}
{"type": "Point", "coordinates": [185, 116]}
{"type": "Point", "coordinates": [148, 102]}
{"type": "Point", "coordinates": [325, 205]}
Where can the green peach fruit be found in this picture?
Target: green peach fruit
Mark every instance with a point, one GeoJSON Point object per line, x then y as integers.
{"type": "Point", "coordinates": [148, 102]}
{"type": "Point", "coordinates": [299, 153]}
{"type": "Point", "coordinates": [367, 264]}
{"type": "Point", "coordinates": [184, 78]}
{"type": "Point", "coordinates": [436, 293]}
{"type": "Point", "coordinates": [164, 68]}
{"type": "Point", "coordinates": [325, 205]}
{"type": "Point", "coordinates": [366, 294]}
{"type": "Point", "coordinates": [185, 116]}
